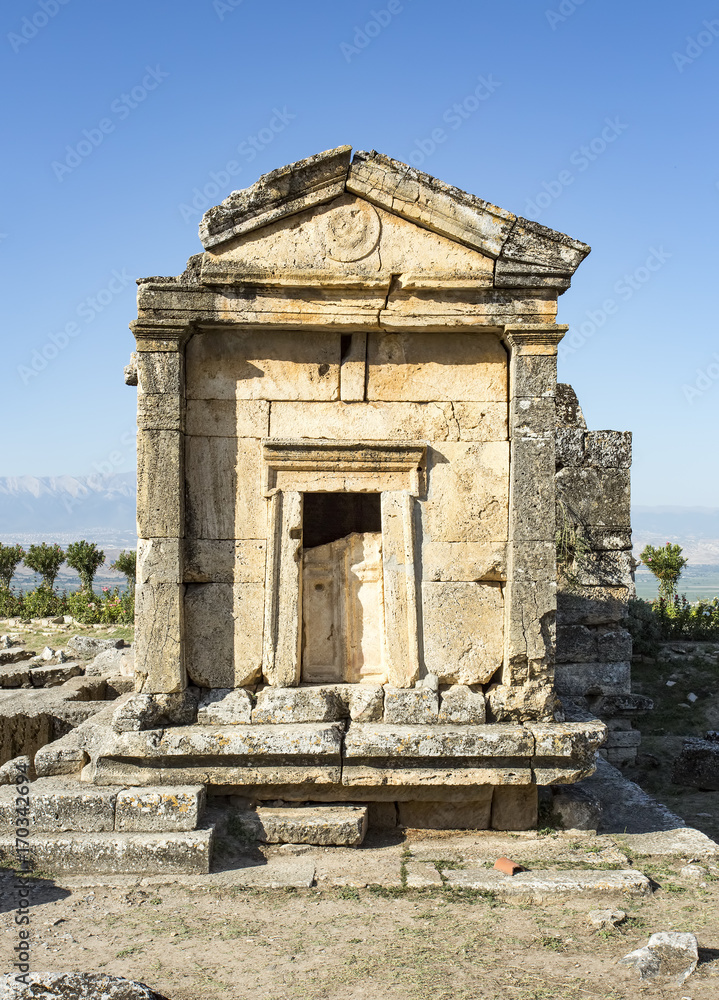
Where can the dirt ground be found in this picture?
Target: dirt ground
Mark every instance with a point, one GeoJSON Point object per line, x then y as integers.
{"type": "Point", "coordinates": [191, 942]}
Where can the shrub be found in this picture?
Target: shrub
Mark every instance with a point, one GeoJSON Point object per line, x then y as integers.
{"type": "Point", "coordinates": [666, 564]}
{"type": "Point", "coordinates": [126, 563]}
{"type": "Point", "coordinates": [86, 558]}
{"type": "Point", "coordinates": [10, 556]}
{"type": "Point", "coordinates": [45, 560]}
{"type": "Point", "coordinates": [645, 627]}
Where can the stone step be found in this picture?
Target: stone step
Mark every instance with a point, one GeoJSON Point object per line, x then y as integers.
{"type": "Point", "coordinates": [331, 825]}
{"type": "Point", "coordinates": [182, 853]}
{"type": "Point", "coordinates": [59, 805]}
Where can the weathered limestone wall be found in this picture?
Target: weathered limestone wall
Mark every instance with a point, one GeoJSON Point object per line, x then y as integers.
{"type": "Point", "coordinates": [243, 386]}
{"type": "Point", "coordinates": [594, 649]}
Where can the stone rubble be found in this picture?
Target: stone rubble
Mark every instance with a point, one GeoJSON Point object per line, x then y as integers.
{"type": "Point", "coordinates": [667, 954]}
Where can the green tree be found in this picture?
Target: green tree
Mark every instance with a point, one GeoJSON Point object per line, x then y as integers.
{"type": "Point", "coordinates": [666, 563]}
{"type": "Point", "coordinates": [126, 563]}
{"type": "Point", "coordinates": [45, 560]}
{"type": "Point", "coordinates": [10, 556]}
{"type": "Point", "coordinates": [86, 558]}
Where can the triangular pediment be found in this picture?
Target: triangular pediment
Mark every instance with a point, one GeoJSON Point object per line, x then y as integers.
{"type": "Point", "coordinates": [345, 237]}
{"type": "Point", "coordinates": [330, 215]}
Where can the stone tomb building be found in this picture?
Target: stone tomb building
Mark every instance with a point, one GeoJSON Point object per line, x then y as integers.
{"type": "Point", "coordinates": [346, 504]}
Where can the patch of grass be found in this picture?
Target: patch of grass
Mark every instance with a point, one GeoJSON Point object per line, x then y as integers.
{"type": "Point", "coordinates": [349, 892]}
{"type": "Point", "coordinates": [388, 891]}
{"type": "Point", "coordinates": [552, 941]}
{"type": "Point", "coordinates": [132, 950]}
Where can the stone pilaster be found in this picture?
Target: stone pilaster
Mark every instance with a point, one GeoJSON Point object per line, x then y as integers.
{"type": "Point", "coordinates": [526, 689]}
{"type": "Point", "coordinates": [159, 599]}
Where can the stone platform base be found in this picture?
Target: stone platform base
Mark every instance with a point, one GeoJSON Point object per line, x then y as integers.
{"type": "Point", "coordinates": [330, 826]}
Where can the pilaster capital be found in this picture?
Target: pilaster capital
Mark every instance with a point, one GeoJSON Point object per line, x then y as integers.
{"type": "Point", "coordinates": [160, 336]}
{"type": "Point", "coordinates": [534, 338]}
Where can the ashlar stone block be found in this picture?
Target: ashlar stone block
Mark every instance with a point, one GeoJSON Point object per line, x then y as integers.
{"type": "Point", "coordinates": [283, 706]}
{"type": "Point", "coordinates": [455, 367]}
{"type": "Point", "coordinates": [243, 418]}
{"type": "Point", "coordinates": [271, 364]}
{"type": "Point", "coordinates": [410, 706]}
{"type": "Point", "coordinates": [468, 495]}
{"type": "Point", "coordinates": [461, 705]}
{"type": "Point", "coordinates": [463, 631]}
{"type": "Point", "coordinates": [224, 632]}
{"type": "Point", "coordinates": [160, 809]}
{"type": "Point", "coordinates": [224, 490]}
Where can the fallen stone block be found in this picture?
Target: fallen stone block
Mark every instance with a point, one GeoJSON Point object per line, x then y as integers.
{"type": "Point", "coordinates": [17, 770]}
{"type": "Point", "coordinates": [88, 646]}
{"type": "Point", "coordinates": [335, 825]}
{"type": "Point", "coordinates": [57, 806]}
{"type": "Point", "coordinates": [14, 676]}
{"type": "Point", "coordinates": [159, 809]}
{"type": "Point", "coordinates": [698, 764]}
{"type": "Point", "coordinates": [536, 887]}
{"type": "Point", "coordinates": [15, 654]}
{"type": "Point", "coordinates": [577, 808]}
{"type": "Point", "coordinates": [74, 986]}
{"type": "Point", "coordinates": [224, 707]}
{"type": "Point", "coordinates": [108, 853]}
{"type": "Point", "coordinates": [53, 675]}
{"type": "Point", "coordinates": [113, 661]}
{"type": "Point", "coordinates": [667, 953]}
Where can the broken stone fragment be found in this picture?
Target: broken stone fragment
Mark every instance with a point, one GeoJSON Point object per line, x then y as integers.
{"type": "Point", "coordinates": [75, 985]}
{"type": "Point", "coordinates": [224, 707]}
{"type": "Point", "coordinates": [461, 704]}
{"type": "Point", "coordinates": [87, 646]}
{"type": "Point", "coordinates": [698, 764]}
{"type": "Point", "coordinates": [606, 919]}
{"type": "Point", "coordinates": [667, 953]}
{"type": "Point", "coordinates": [155, 711]}
{"type": "Point", "coordinates": [112, 661]}
{"type": "Point", "coordinates": [16, 770]}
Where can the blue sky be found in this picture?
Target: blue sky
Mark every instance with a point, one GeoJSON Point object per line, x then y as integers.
{"type": "Point", "coordinates": [599, 120]}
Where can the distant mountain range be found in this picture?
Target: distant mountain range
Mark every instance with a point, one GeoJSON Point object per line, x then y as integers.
{"type": "Point", "coordinates": [102, 508]}
{"type": "Point", "coordinates": [696, 529]}
{"type": "Point", "coordinates": [81, 506]}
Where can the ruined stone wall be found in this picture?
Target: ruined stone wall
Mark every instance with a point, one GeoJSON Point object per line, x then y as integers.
{"type": "Point", "coordinates": [594, 648]}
